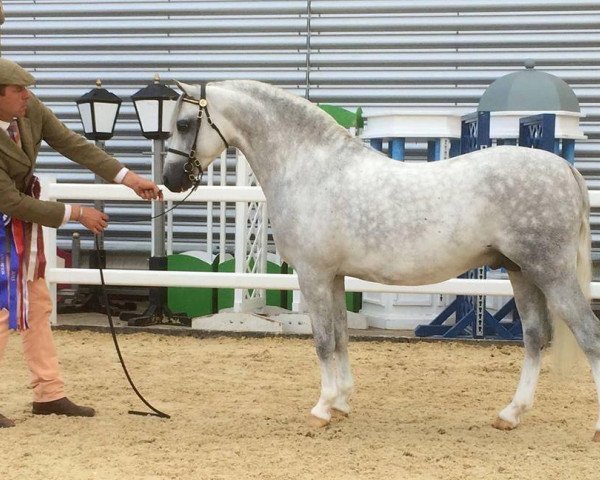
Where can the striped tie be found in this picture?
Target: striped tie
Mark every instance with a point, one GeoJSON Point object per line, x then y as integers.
{"type": "Point", "coordinates": [13, 132]}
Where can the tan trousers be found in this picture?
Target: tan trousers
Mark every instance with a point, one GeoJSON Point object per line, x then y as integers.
{"type": "Point", "coordinates": [38, 344]}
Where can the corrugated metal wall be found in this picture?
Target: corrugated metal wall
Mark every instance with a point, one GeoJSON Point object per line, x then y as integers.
{"type": "Point", "coordinates": [352, 53]}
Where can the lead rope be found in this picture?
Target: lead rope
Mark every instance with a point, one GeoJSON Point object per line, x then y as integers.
{"type": "Point", "coordinates": [157, 412]}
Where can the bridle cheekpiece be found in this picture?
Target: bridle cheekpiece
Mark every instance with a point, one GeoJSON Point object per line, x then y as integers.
{"type": "Point", "coordinates": [192, 162]}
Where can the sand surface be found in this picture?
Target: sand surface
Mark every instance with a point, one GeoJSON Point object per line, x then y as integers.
{"type": "Point", "coordinates": [238, 406]}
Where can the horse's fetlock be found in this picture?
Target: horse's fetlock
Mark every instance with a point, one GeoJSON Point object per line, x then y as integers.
{"type": "Point", "coordinates": [511, 414]}
{"type": "Point", "coordinates": [341, 406]}
{"type": "Point", "coordinates": [345, 391]}
{"type": "Point", "coordinates": [329, 395]}
{"type": "Point", "coordinates": [319, 412]}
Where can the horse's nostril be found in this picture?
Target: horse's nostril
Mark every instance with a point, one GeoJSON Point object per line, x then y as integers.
{"type": "Point", "coordinates": [167, 183]}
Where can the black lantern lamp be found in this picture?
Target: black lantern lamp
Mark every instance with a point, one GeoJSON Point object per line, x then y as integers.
{"type": "Point", "coordinates": [98, 110]}
{"type": "Point", "coordinates": [154, 106]}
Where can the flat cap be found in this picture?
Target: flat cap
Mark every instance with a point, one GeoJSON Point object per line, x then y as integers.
{"type": "Point", "coordinates": [13, 74]}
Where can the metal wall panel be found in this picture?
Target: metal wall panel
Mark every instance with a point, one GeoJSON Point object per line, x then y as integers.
{"type": "Point", "coordinates": [428, 53]}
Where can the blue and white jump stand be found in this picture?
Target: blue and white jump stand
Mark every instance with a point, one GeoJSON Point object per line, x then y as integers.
{"type": "Point", "coordinates": [554, 131]}
{"type": "Point", "coordinates": [441, 131]}
{"type": "Point", "coordinates": [472, 318]}
{"type": "Point", "coordinates": [536, 131]}
{"type": "Point", "coordinates": [405, 133]}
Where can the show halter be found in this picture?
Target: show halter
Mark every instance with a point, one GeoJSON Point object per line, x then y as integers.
{"type": "Point", "coordinates": [192, 162]}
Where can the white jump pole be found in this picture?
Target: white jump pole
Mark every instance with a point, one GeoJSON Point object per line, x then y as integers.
{"type": "Point", "coordinates": [56, 275]}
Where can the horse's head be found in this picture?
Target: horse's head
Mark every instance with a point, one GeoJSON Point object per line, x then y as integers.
{"type": "Point", "coordinates": [196, 141]}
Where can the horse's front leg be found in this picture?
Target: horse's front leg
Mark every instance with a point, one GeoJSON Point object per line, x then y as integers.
{"type": "Point", "coordinates": [318, 292]}
{"type": "Point", "coordinates": [340, 326]}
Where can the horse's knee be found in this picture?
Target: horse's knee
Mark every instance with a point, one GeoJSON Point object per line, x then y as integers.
{"type": "Point", "coordinates": [324, 350]}
{"type": "Point", "coordinates": [324, 343]}
{"type": "Point", "coordinates": [535, 338]}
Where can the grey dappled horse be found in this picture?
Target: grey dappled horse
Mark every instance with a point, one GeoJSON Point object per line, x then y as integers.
{"type": "Point", "coordinates": [338, 208]}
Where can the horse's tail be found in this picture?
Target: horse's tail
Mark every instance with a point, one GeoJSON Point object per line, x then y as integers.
{"type": "Point", "coordinates": [584, 250]}
{"type": "Point", "coordinates": [566, 352]}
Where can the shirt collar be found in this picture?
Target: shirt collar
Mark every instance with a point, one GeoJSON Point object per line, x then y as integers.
{"type": "Point", "coordinates": [4, 125]}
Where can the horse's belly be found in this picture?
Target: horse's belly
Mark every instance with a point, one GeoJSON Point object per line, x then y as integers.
{"type": "Point", "coordinates": [405, 269]}
{"type": "Point", "coordinates": [421, 277]}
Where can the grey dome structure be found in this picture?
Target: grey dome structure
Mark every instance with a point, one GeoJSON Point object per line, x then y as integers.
{"type": "Point", "coordinates": [529, 90]}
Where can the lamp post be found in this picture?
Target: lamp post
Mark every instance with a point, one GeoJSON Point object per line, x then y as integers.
{"type": "Point", "coordinates": [154, 106]}
{"type": "Point", "coordinates": [98, 111]}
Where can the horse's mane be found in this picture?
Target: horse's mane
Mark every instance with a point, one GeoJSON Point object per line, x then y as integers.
{"type": "Point", "coordinates": [298, 115]}
{"type": "Point", "coordinates": [303, 114]}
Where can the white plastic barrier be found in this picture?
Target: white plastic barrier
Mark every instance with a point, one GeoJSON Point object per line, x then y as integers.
{"type": "Point", "coordinates": [56, 275]}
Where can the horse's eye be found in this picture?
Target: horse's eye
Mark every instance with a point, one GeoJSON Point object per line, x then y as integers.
{"type": "Point", "coordinates": [183, 125]}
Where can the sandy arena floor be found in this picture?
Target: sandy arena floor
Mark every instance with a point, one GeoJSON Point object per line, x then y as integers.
{"type": "Point", "coordinates": [238, 406]}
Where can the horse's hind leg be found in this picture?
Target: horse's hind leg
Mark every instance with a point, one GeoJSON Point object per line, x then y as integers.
{"type": "Point", "coordinates": [318, 292]}
{"type": "Point", "coordinates": [567, 301]}
{"type": "Point", "coordinates": [340, 327]}
{"type": "Point", "coordinates": [537, 331]}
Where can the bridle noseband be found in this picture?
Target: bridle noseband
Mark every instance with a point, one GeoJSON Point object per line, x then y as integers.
{"type": "Point", "coordinates": [192, 161]}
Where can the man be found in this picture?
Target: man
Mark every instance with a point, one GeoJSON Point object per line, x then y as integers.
{"type": "Point", "coordinates": [24, 123]}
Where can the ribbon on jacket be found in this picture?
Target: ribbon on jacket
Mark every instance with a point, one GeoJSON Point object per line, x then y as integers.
{"type": "Point", "coordinates": [21, 259]}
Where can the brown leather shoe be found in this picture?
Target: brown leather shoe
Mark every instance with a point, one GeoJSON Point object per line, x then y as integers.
{"type": "Point", "coordinates": [62, 406]}
{"type": "Point", "coordinates": [6, 422]}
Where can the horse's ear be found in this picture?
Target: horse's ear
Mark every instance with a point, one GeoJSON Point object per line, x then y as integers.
{"type": "Point", "coordinates": [184, 87]}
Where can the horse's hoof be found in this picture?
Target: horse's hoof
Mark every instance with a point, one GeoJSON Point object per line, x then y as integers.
{"type": "Point", "coordinates": [316, 422]}
{"type": "Point", "coordinates": [596, 436]}
{"type": "Point", "coordinates": [504, 425]}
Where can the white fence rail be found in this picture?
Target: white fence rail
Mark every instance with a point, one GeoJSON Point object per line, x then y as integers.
{"type": "Point", "coordinates": [115, 277]}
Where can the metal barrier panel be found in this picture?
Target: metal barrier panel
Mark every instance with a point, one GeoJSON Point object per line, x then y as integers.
{"type": "Point", "coordinates": [475, 132]}
{"type": "Point", "coordinates": [537, 131]}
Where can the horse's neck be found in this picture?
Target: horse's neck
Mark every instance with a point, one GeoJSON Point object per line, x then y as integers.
{"type": "Point", "coordinates": [277, 146]}
{"type": "Point", "coordinates": [258, 141]}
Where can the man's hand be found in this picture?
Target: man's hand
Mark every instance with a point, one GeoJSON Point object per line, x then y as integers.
{"type": "Point", "coordinates": [146, 189]}
{"type": "Point", "coordinates": [94, 220]}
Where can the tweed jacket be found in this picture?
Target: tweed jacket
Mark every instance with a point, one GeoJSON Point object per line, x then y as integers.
{"type": "Point", "coordinates": [17, 165]}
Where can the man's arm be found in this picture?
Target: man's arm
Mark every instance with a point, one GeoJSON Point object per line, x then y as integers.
{"type": "Point", "coordinates": [74, 146]}
{"type": "Point", "coordinates": [145, 188]}
{"type": "Point", "coordinates": [50, 214]}
{"type": "Point", "coordinates": [94, 220]}
{"type": "Point", "coordinates": [80, 150]}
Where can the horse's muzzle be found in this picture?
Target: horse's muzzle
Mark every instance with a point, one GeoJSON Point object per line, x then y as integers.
{"type": "Point", "coordinates": [177, 186]}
